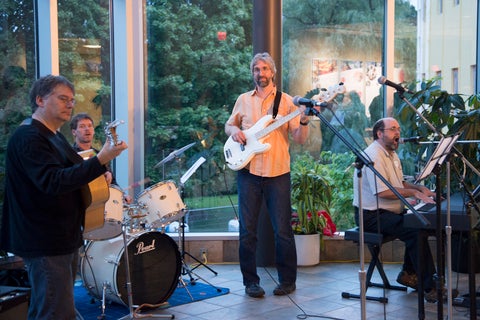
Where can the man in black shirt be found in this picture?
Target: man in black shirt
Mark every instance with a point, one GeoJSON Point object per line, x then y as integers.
{"type": "Point", "coordinates": [44, 205]}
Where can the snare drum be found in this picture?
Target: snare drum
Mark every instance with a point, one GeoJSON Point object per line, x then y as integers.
{"type": "Point", "coordinates": [113, 216]}
{"type": "Point", "coordinates": [154, 265]}
{"type": "Point", "coordinates": [163, 204]}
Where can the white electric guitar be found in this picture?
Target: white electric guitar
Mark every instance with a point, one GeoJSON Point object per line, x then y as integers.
{"type": "Point", "coordinates": [238, 155]}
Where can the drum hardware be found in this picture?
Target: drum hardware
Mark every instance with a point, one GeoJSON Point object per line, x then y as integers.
{"type": "Point", "coordinates": [134, 217]}
{"type": "Point", "coordinates": [152, 197]}
{"type": "Point", "coordinates": [104, 296]}
{"type": "Point", "coordinates": [133, 282]}
{"type": "Point", "coordinates": [181, 229]}
{"type": "Point", "coordinates": [186, 270]}
{"type": "Point", "coordinates": [174, 154]}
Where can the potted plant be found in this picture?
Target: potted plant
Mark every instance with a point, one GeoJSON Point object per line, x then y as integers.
{"type": "Point", "coordinates": [449, 113]}
{"type": "Point", "coordinates": [311, 196]}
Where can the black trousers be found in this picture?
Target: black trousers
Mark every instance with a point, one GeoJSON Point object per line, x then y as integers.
{"type": "Point", "coordinates": [391, 224]}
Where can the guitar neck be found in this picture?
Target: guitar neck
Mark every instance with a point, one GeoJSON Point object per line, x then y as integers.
{"type": "Point", "coordinates": [276, 124]}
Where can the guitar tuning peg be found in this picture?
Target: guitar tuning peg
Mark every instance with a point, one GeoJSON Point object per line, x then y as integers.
{"type": "Point", "coordinates": [114, 123]}
{"type": "Point", "coordinates": [340, 88]}
{"type": "Point", "coordinates": [323, 94]}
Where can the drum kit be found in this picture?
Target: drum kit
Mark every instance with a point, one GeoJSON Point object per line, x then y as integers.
{"type": "Point", "coordinates": [152, 261]}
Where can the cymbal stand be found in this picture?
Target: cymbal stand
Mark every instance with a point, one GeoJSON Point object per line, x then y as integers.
{"type": "Point", "coordinates": [132, 313]}
{"type": "Point", "coordinates": [186, 270]}
{"type": "Point", "coordinates": [181, 229]}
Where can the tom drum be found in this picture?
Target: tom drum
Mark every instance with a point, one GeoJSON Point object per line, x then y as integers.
{"type": "Point", "coordinates": [163, 204]}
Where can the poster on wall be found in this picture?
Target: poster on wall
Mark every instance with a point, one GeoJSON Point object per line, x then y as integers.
{"type": "Point", "coordinates": [358, 76]}
{"type": "Point", "coordinates": [324, 73]}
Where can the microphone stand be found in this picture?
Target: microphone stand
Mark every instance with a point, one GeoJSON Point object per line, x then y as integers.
{"type": "Point", "coordinates": [360, 162]}
{"type": "Point", "coordinates": [362, 277]}
{"type": "Point", "coordinates": [448, 226]}
{"type": "Point", "coordinates": [132, 314]}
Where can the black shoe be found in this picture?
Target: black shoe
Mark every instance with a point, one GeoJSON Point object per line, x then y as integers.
{"type": "Point", "coordinates": [254, 290]}
{"type": "Point", "coordinates": [408, 280]}
{"type": "Point", "coordinates": [284, 289]}
{"type": "Point", "coordinates": [432, 295]}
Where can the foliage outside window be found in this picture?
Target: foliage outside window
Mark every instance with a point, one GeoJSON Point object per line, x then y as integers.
{"type": "Point", "coordinates": [198, 63]}
{"type": "Point", "coordinates": [17, 70]}
{"type": "Point", "coordinates": [198, 54]}
{"type": "Point", "coordinates": [84, 57]}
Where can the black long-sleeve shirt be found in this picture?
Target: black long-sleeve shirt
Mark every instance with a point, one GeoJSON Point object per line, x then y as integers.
{"type": "Point", "coordinates": [43, 210]}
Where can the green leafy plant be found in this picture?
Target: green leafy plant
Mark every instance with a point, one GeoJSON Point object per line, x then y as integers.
{"type": "Point", "coordinates": [311, 194]}
{"type": "Point", "coordinates": [449, 114]}
{"type": "Point", "coordinates": [331, 183]}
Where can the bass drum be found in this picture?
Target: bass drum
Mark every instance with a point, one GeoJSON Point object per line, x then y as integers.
{"type": "Point", "coordinates": [154, 263]}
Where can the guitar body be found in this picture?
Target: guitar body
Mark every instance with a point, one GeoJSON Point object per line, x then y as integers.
{"type": "Point", "coordinates": [95, 199]}
{"type": "Point", "coordinates": [238, 155]}
{"type": "Point", "coordinates": [95, 196]}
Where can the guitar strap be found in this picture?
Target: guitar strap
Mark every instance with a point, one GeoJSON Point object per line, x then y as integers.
{"type": "Point", "coordinates": [276, 103]}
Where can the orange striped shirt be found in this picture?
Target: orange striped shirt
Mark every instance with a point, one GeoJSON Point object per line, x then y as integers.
{"type": "Point", "coordinates": [248, 109]}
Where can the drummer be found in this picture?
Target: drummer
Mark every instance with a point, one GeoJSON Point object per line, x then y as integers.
{"type": "Point", "coordinates": [83, 130]}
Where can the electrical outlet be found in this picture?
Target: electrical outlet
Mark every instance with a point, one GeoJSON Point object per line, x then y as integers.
{"type": "Point", "coordinates": [203, 251]}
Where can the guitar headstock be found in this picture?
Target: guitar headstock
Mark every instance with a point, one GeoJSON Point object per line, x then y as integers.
{"type": "Point", "coordinates": [327, 95]}
{"type": "Point", "coordinates": [111, 131]}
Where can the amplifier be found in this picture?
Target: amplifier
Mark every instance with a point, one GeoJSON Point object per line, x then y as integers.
{"type": "Point", "coordinates": [14, 303]}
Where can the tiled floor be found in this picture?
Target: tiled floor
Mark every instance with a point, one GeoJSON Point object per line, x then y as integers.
{"type": "Point", "coordinates": [318, 295]}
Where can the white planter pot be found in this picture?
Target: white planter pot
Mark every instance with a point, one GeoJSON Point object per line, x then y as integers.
{"type": "Point", "coordinates": [308, 249]}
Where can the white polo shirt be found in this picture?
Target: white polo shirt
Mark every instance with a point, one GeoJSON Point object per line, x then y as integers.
{"type": "Point", "coordinates": [390, 167]}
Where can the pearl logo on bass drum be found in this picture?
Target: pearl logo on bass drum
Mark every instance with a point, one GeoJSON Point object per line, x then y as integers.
{"type": "Point", "coordinates": [142, 248]}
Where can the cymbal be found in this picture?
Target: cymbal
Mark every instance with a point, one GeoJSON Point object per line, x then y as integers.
{"type": "Point", "coordinates": [174, 154]}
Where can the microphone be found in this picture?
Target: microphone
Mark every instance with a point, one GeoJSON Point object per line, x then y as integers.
{"type": "Point", "coordinates": [410, 139]}
{"type": "Point", "coordinates": [399, 88]}
{"type": "Point", "coordinates": [297, 100]}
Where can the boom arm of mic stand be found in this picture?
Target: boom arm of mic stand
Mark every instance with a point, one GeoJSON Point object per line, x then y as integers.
{"type": "Point", "coordinates": [366, 162]}
{"type": "Point", "coordinates": [438, 132]}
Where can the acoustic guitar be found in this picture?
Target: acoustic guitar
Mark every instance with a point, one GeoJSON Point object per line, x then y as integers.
{"type": "Point", "coordinates": [238, 155]}
{"type": "Point", "coordinates": [97, 193]}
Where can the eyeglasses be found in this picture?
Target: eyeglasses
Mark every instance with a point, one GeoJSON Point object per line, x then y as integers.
{"type": "Point", "coordinates": [393, 129]}
{"type": "Point", "coordinates": [66, 100]}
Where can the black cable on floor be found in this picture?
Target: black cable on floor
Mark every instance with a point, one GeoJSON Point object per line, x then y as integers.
{"type": "Point", "coordinates": [303, 315]}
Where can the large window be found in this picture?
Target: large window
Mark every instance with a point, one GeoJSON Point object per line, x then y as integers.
{"type": "Point", "coordinates": [198, 63]}
{"type": "Point", "coordinates": [195, 62]}
{"type": "Point", "coordinates": [84, 58]}
{"type": "Point", "coordinates": [17, 70]}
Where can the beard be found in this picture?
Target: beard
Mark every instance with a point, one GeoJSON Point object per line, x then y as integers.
{"type": "Point", "coordinates": [262, 82]}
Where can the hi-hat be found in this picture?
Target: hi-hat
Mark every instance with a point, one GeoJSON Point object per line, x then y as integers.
{"type": "Point", "coordinates": [174, 154]}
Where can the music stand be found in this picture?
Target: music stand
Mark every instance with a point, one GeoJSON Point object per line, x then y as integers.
{"type": "Point", "coordinates": [443, 149]}
{"type": "Point", "coordinates": [438, 157]}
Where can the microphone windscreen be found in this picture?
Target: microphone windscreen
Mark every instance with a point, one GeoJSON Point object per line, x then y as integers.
{"type": "Point", "coordinates": [382, 80]}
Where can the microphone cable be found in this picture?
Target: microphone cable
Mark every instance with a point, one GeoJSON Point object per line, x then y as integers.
{"type": "Point", "coordinates": [302, 315]}
{"type": "Point", "coordinates": [227, 189]}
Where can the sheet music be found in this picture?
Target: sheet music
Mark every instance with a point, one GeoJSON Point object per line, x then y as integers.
{"type": "Point", "coordinates": [192, 170]}
{"type": "Point", "coordinates": [438, 157]}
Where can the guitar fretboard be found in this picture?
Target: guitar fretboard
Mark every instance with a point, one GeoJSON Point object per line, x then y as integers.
{"type": "Point", "coordinates": [277, 124]}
